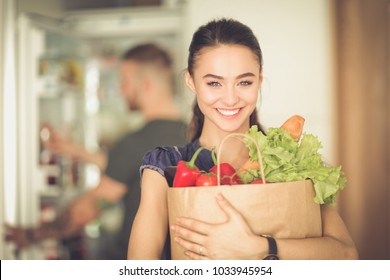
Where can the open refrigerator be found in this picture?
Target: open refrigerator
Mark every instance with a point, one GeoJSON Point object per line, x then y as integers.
{"type": "Point", "coordinates": [68, 77]}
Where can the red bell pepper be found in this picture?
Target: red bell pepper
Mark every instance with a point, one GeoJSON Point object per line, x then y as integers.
{"type": "Point", "coordinates": [187, 172]}
{"type": "Point", "coordinates": [227, 172]}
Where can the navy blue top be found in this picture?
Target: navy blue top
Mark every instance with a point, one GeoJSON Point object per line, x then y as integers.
{"type": "Point", "coordinates": [161, 157]}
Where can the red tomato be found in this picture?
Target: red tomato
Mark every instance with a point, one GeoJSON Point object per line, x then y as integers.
{"type": "Point", "coordinates": [225, 168]}
{"type": "Point", "coordinates": [231, 180]}
{"type": "Point", "coordinates": [259, 181]}
{"type": "Point", "coordinates": [206, 179]}
{"type": "Point", "coordinates": [228, 174]}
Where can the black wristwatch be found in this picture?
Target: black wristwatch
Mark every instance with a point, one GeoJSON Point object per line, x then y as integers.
{"type": "Point", "coordinates": [273, 248]}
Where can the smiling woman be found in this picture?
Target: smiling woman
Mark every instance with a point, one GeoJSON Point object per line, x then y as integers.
{"type": "Point", "coordinates": [226, 82]}
{"type": "Point", "coordinates": [225, 73]}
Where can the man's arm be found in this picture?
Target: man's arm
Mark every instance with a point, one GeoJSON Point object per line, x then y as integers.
{"type": "Point", "coordinates": [80, 212]}
{"type": "Point", "coordinates": [56, 143]}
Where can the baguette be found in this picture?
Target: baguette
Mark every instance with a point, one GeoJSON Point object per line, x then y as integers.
{"type": "Point", "coordinates": [294, 126]}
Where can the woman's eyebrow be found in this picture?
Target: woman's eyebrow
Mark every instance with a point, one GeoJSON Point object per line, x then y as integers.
{"type": "Point", "coordinates": [212, 76]}
{"type": "Point", "coordinates": [247, 74]}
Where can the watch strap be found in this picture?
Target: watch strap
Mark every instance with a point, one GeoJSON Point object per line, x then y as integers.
{"type": "Point", "coordinates": [272, 248]}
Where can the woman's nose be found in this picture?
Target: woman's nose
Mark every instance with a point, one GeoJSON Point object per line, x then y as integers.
{"type": "Point", "coordinates": [230, 97]}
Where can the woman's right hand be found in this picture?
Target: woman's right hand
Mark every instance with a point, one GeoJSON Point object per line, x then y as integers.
{"type": "Point", "coordinates": [219, 241]}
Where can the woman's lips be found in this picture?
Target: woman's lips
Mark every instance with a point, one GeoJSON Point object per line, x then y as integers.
{"type": "Point", "coordinates": [228, 112]}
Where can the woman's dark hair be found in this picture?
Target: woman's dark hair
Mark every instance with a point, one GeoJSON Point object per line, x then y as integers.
{"type": "Point", "coordinates": [212, 34]}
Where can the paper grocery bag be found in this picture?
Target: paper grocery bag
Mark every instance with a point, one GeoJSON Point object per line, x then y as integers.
{"type": "Point", "coordinates": [283, 210]}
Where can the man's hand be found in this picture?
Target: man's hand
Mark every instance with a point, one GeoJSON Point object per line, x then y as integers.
{"type": "Point", "coordinates": [21, 237]}
{"type": "Point", "coordinates": [56, 143]}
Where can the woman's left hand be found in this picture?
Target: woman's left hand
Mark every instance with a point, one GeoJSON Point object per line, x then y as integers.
{"type": "Point", "coordinates": [232, 239]}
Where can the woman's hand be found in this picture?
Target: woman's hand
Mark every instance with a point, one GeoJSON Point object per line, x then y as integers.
{"type": "Point", "coordinates": [232, 239]}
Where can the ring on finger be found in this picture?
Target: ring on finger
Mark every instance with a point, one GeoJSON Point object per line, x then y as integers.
{"type": "Point", "coordinates": [200, 250]}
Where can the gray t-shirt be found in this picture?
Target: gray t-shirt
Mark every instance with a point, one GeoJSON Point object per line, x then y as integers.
{"type": "Point", "coordinates": [124, 161]}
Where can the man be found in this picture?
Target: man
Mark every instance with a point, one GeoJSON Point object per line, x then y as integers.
{"type": "Point", "coordinates": [147, 86]}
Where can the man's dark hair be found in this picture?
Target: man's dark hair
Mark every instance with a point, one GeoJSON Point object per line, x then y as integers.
{"type": "Point", "coordinates": [149, 53]}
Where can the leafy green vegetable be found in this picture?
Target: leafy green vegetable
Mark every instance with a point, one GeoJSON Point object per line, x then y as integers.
{"type": "Point", "coordinates": [286, 160]}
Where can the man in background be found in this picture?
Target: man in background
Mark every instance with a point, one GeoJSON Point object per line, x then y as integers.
{"type": "Point", "coordinates": [147, 86]}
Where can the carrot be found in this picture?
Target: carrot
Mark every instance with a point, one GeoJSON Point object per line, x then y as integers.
{"type": "Point", "coordinates": [249, 164]}
{"type": "Point", "coordinates": [294, 126]}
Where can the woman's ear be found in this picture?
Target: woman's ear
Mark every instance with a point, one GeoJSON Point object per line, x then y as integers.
{"type": "Point", "coordinates": [190, 81]}
{"type": "Point", "coordinates": [261, 78]}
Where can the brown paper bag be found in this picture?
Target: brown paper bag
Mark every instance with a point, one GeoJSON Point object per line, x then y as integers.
{"type": "Point", "coordinates": [283, 210]}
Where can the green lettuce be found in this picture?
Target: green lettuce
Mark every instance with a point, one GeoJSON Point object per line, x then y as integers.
{"type": "Point", "coordinates": [286, 160]}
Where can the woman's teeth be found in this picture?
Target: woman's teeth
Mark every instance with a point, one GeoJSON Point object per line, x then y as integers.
{"type": "Point", "coordinates": [228, 112]}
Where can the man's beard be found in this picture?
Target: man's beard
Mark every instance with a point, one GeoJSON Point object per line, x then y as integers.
{"type": "Point", "coordinates": [133, 105]}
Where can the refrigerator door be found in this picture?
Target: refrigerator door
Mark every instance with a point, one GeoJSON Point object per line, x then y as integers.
{"type": "Point", "coordinates": [68, 75]}
{"type": "Point", "coordinates": [7, 122]}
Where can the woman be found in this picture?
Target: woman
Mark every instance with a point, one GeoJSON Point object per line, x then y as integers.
{"type": "Point", "coordinates": [225, 73]}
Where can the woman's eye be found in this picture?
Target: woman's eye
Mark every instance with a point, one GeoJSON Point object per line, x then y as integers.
{"type": "Point", "coordinates": [213, 84]}
{"type": "Point", "coordinates": [245, 83]}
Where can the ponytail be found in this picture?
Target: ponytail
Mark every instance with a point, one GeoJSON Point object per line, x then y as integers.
{"type": "Point", "coordinates": [196, 124]}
